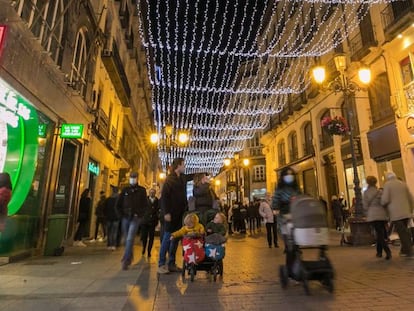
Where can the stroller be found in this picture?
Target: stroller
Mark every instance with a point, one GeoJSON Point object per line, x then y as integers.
{"type": "Point", "coordinates": [199, 254]}
{"type": "Point", "coordinates": [306, 228]}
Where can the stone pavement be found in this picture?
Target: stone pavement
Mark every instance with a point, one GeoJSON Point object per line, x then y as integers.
{"type": "Point", "coordinates": [91, 279]}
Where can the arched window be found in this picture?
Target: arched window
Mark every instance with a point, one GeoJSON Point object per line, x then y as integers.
{"type": "Point", "coordinates": [281, 152]}
{"type": "Point", "coordinates": [307, 137]}
{"type": "Point", "coordinates": [79, 63]}
{"type": "Point", "coordinates": [46, 20]}
{"type": "Point", "coordinates": [326, 138]}
{"type": "Point", "coordinates": [293, 146]}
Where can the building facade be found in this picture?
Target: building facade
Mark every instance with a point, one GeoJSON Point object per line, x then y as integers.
{"type": "Point", "coordinates": [75, 103]}
{"type": "Point", "coordinates": [379, 114]}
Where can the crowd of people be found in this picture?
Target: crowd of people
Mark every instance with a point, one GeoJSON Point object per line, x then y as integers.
{"type": "Point", "coordinates": [125, 212]}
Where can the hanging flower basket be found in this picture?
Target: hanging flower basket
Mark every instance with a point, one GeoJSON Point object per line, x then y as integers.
{"type": "Point", "coordinates": [335, 126]}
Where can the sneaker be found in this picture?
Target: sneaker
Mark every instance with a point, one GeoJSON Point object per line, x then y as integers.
{"type": "Point", "coordinates": [174, 268]}
{"type": "Point", "coordinates": [113, 248]}
{"type": "Point", "coordinates": [92, 241]}
{"type": "Point", "coordinates": [163, 270]}
{"type": "Point", "coordinates": [101, 239]}
{"type": "Point", "coordinates": [79, 243]}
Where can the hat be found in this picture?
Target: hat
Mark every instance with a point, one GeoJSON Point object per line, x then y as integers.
{"type": "Point", "coordinates": [133, 175]}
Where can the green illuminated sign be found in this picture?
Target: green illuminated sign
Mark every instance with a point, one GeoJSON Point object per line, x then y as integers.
{"type": "Point", "coordinates": [93, 168]}
{"type": "Point", "coordinates": [19, 127]}
{"type": "Point", "coordinates": [71, 130]}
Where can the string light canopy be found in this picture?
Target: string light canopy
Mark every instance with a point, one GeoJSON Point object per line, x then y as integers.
{"type": "Point", "coordinates": [221, 69]}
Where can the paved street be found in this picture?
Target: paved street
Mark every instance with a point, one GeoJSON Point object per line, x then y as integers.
{"type": "Point", "coordinates": [91, 279]}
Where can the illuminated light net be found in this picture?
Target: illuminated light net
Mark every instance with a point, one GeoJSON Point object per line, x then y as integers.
{"type": "Point", "coordinates": [221, 69]}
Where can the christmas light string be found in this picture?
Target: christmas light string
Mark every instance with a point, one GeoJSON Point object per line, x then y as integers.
{"type": "Point", "coordinates": [220, 105]}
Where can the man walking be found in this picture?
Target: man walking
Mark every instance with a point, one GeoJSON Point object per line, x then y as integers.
{"type": "Point", "coordinates": [132, 204]}
{"type": "Point", "coordinates": [173, 204]}
{"type": "Point", "coordinates": [398, 200]}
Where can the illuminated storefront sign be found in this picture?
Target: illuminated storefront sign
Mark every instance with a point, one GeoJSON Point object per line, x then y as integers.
{"type": "Point", "coordinates": [19, 132]}
{"type": "Point", "coordinates": [71, 131]}
{"type": "Point", "coordinates": [93, 168]}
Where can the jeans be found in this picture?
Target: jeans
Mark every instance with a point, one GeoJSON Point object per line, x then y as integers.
{"type": "Point", "coordinates": [129, 230]}
{"type": "Point", "coordinates": [112, 227]}
{"type": "Point", "coordinates": [169, 246]}
{"type": "Point", "coordinates": [81, 232]}
{"type": "Point", "coordinates": [271, 232]}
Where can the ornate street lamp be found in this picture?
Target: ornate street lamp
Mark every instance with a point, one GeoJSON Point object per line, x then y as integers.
{"type": "Point", "coordinates": [343, 84]}
{"type": "Point", "coordinates": [169, 138]}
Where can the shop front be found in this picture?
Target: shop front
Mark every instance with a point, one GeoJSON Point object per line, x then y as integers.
{"type": "Point", "coordinates": [26, 136]}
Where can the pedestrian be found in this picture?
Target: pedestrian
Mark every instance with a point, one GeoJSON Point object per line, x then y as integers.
{"type": "Point", "coordinates": [132, 204]}
{"type": "Point", "coordinates": [100, 218]}
{"type": "Point", "coordinates": [173, 203]}
{"type": "Point", "coordinates": [398, 200]}
{"type": "Point", "coordinates": [270, 221]}
{"type": "Point", "coordinates": [376, 215]}
{"type": "Point", "coordinates": [251, 216]}
{"type": "Point", "coordinates": [287, 187]}
{"type": "Point", "coordinates": [5, 196]}
{"type": "Point", "coordinates": [83, 217]}
{"type": "Point", "coordinates": [149, 222]}
{"type": "Point", "coordinates": [337, 209]}
{"type": "Point", "coordinates": [204, 195]}
{"type": "Point", "coordinates": [112, 219]}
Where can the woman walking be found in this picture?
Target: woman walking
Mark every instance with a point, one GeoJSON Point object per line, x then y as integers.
{"type": "Point", "coordinates": [376, 215]}
{"type": "Point", "coordinates": [83, 218]}
{"type": "Point", "coordinates": [270, 220]}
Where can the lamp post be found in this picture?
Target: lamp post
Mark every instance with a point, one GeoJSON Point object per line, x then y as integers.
{"type": "Point", "coordinates": [236, 163]}
{"type": "Point", "coordinates": [169, 138]}
{"type": "Point", "coordinates": [343, 84]}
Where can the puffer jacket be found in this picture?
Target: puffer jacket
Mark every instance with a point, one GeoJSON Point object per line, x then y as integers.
{"type": "Point", "coordinates": [198, 228]}
{"type": "Point", "coordinates": [398, 199]}
{"type": "Point", "coordinates": [372, 205]}
{"type": "Point", "coordinates": [282, 197]}
{"type": "Point", "coordinates": [203, 197]}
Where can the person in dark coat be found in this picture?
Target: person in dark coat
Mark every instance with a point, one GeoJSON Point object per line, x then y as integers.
{"type": "Point", "coordinates": [337, 209]}
{"type": "Point", "coordinates": [204, 196]}
{"type": "Point", "coordinates": [149, 222]}
{"type": "Point", "coordinates": [5, 196]}
{"type": "Point", "coordinates": [173, 204]}
{"type": "Point", "coordinates": [100, 217]}
{"type": "Point", "coordinates": [112, 219]}
{"type": "Point", "coordinates": [132, 204]}
{"type": "Point", "coordinates": [83, 217]}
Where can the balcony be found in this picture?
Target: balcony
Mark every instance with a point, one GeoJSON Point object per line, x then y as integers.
{"type": "Point", "coordinates": [101, 125]}
{"type": "Point", "coordinates": [396, 17]}
{"type": "Point", "coordinates": [297, 101]}
{"type": "Point", "coordinates": [113, 64]}
{"type": "Point", "coordinates": [361, 43]}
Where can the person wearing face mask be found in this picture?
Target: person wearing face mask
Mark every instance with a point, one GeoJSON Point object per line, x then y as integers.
{"type": "Point", "coordinates": [132, 204]}
{"type": "Point", "coordinates": [286, 188]}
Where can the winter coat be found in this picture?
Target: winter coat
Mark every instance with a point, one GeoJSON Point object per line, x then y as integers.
{"type": "Point", "coordinates": [84, 209]}
{"type": "Point", "coordinates": [151, 215]}
{"type": "Point", "coordinates": [266, 212]}
{"type": "Point", "coordinates": [198, 228]}
{"type": "Point", "coordinates": [110, 211]}
{"type": "Point", "coordinates": [173, 200]}
{"type": "Point", "coordinates": [397, 199]}
{"type": "Point", "coordinates": [212, 227]}
{"type": "Point", "coordinates": [132, 201]}
{"type": "Point", "coordinates": [337, 208]}
{"type": "Point", "coordinates": [372, 205]}
{"type": "Point", "coordinates": [203, 197]}
{"type": "Point", "coordinates": [282, 197]}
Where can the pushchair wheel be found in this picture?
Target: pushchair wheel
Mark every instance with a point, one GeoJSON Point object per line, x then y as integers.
{"type": "Point", "coordinates": [328, 283]}
{"type": "Point", "coordinates": [306, 286]}
{"type": "Point", "coordinates": [221, 268]}
{"type": "Point", "coordinates": [283, 275]}
{"type": "Point", "coordinates": [192, 272]}
{"type": "Point", "coordinates": [183, 271]}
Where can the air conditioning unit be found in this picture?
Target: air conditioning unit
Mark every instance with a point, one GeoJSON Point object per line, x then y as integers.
{"type": "Point", "coordinates": [107, 53]}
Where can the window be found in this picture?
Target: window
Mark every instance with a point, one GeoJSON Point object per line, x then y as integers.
{"type": "Point", "coordinates": [379, 99]}
{"type": "Point", "coordinates": [293, 146]}
{"type": "Point", "coordinates": [407, 70]}
{"type": "Point", "coordinates": [46, 21]}
{"type": "Point", "coordinates": [307, 134]}
{"type": "Point", "coordinates": [281, 152]}
{"type": "Point", "coordinates": [79, 63]}
{"type": "Point", "coordinates": [259, 173]}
